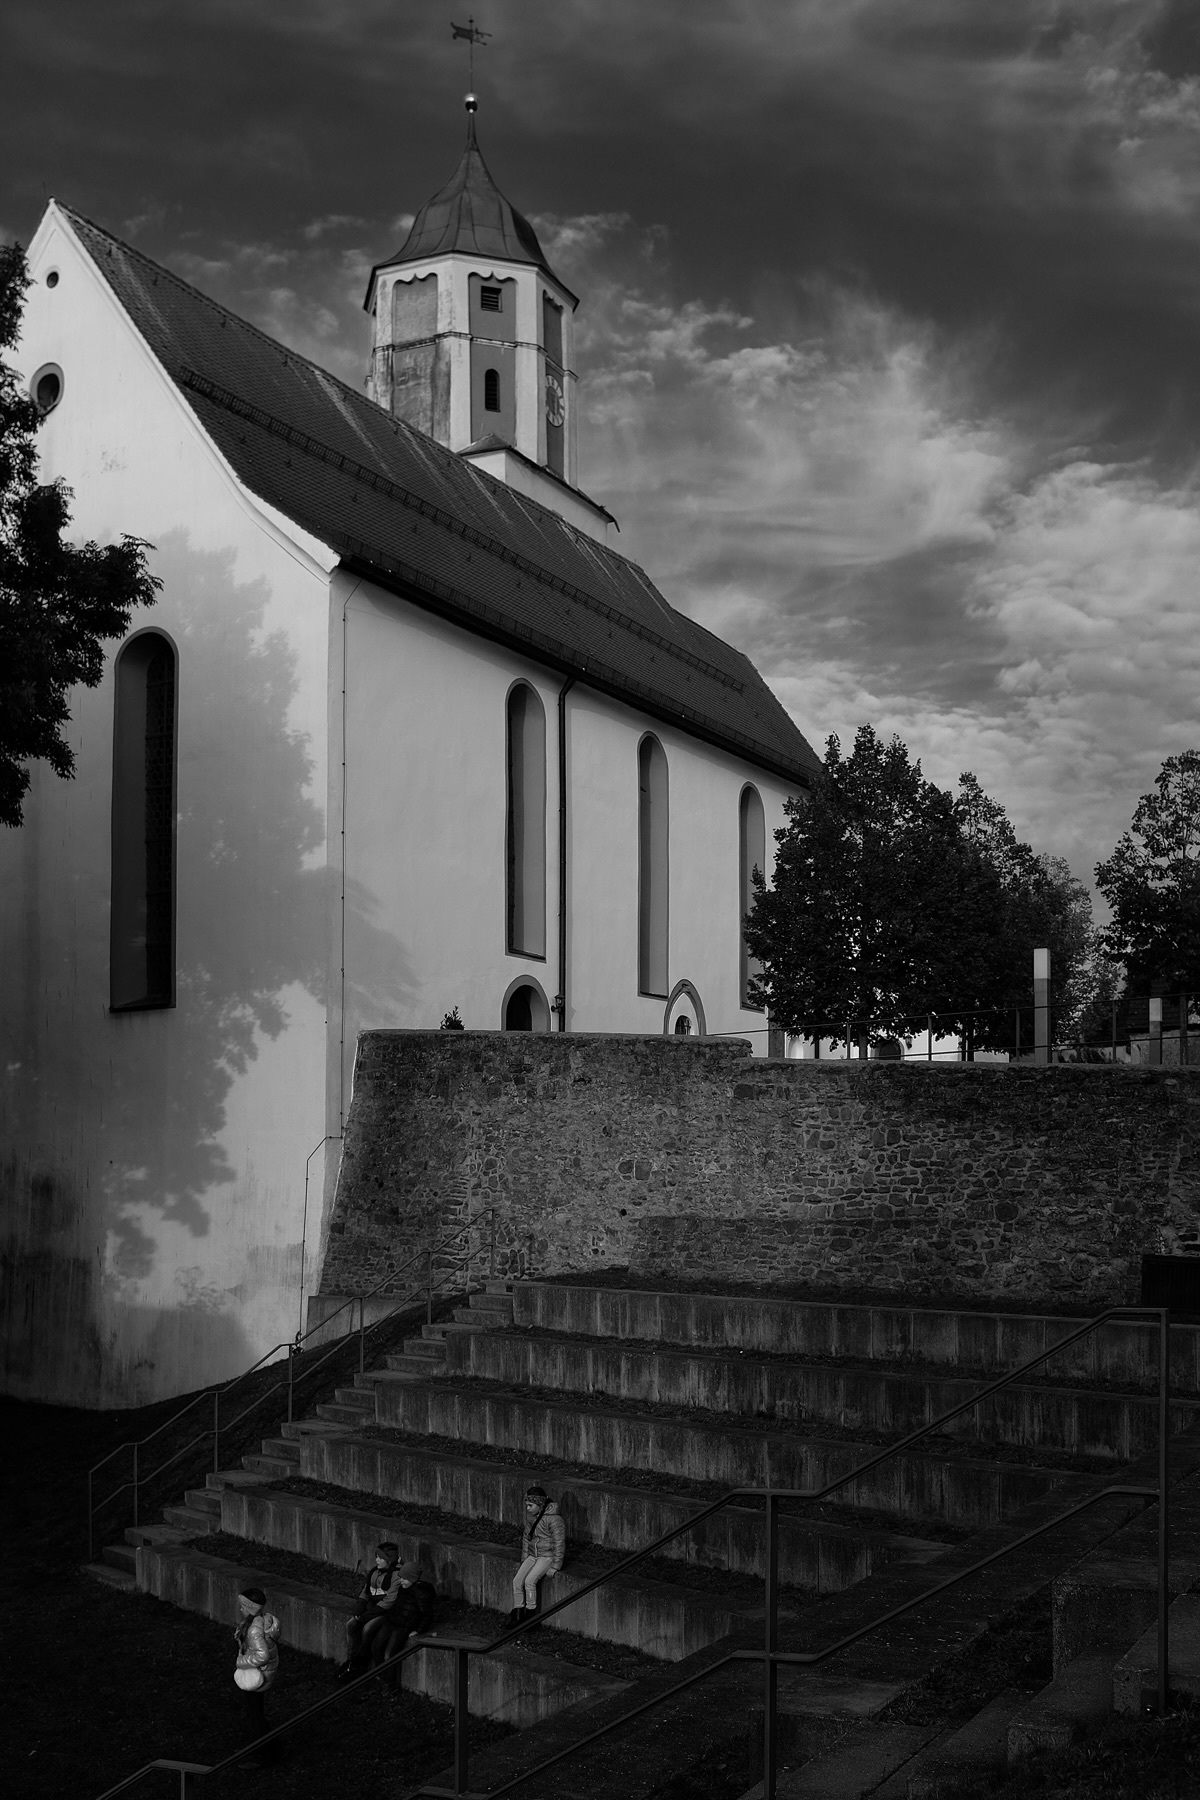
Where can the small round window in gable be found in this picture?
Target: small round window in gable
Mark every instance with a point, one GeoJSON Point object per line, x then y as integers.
{"type": "Point", "coordinates": [52, 278]}
{"type": "Point", "coordinates": [46, 387]}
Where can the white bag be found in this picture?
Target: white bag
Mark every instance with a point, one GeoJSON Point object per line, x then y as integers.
{"type": "Point", "coordinates": [249, 1679]}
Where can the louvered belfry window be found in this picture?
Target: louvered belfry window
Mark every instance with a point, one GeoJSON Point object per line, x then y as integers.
{"type": "Point", "coordinates": [142, 933]}
{"type": "Point", "coordinates": [489, 299]}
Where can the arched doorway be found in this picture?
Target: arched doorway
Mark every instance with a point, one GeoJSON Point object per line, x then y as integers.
{"type": "Point", "coordinates": [684, 1015]}
{"type": "Point", "coordinates": [524, 1007]}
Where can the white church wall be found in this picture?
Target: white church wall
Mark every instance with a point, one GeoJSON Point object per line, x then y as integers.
{"type": "Point", "coordinates": [704, 788]}
{"type": "Point", "coordinates": [153, 1162]}
{"type": "Point", "coordinates": [424, 830]}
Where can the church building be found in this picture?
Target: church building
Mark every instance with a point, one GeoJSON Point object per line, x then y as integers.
{"type": "Point", "coordinates": [405, 736]}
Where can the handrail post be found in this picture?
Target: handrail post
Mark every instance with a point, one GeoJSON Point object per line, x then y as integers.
{"type": "Point", "coordinates": [492, 1250]}
{"type": "Point", "coordinates": [216, 1431]}
{"type": "Point", "coordinates": [91, 1552]}
{"type": "Point", "coordinates": [362, 1333]}
{"type": "Point", "coordinates": [429, 1287]}
{"type": "Point", "coordinates": [135, 1484]}
{"type": "Point", "coordinates": [293, 1352]}
{"type": "Point", "coordinates": [461, 1719]}
{"type": "Point", "coordinates": [1164, 1429]}
{"type": "Point", "coordinates": [771, 1645]}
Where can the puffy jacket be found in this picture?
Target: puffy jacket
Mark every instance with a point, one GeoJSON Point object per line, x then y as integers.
{"type": "Point", "coordinates": [257, 1639]}
{"type": "Point", "coordinates": [548, 1537]}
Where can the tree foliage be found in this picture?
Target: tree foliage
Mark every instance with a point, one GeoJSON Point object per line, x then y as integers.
{"type": "Point", "coordinates": [1152, 883]}
{"type": "Point", "coordinates": [59, 603]}
{"type": "Point", "coordinates": [893, 900]}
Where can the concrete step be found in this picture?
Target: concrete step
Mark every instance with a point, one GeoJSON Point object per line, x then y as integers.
{"type": "Point", "coordinates": [104, 1572]}
{"type": "Point", "coordinates": [953, 1489]}
{"type": "Point", "coordinates": [1077, 1701]}
{"type": "Point", "coordinates": [288, 1449]}
{"type": "Point", "coordinates": [861, 1763]}
{"type": "Point", "coordinates": [855, 1397]}
{"type": "Point", "coordinates": [295, 1429]}
{"type": "Point", "coordinates": [220, 1478]}
{"type": "Point", "coordinates": [270, 1468]}
{"type": "Point", "coordinates": [190, 1519]}
{"type": "Point", "coordinates": [1123, 1352]}
{"type": "Point", "coordinates": [662, 1619]}
{"type": "Point", "coordinates": [815, 1554]}
{"type": "Point", "coordinates": [400, 1364]}
{"type": "Point", "coordinates": [156, 1534]}
{"type": "Point", "coordinates": [120, 1556]}
{"type": "Point", "coordinates": [203, 1500]}
{"type": "Point", "coordinates": [497, 1305]}
{"type": "Point", "coordinates": [362, 1394]}
{"type": "Point", "coordinates": [1135, 1677]}
{"type": "Point", "coordinates": [971, 1755]}
{"type": "Point", "coordinates": [515, 1685]}
{"type": "Point", "coordinates": [432, 1348]}
{"type": "Point", "coordinates": [1109, 1598]}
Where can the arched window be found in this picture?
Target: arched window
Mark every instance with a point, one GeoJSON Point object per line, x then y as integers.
{"type": "Point", "coordinates": [752, 854]}
{"type": "Point", "coordinates": [526, 847]}
{"type": "Point", "coordinates": [653, 868]}
{"type": "Point", "coordinates": [142, 940]}
{"type": "Point", "coordinates": [491, 390]}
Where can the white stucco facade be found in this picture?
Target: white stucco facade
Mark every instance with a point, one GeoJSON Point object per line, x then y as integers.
{"type": "Point", "coordinates": [341, 864]}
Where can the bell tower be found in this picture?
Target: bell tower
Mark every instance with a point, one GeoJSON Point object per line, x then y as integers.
{"type": "Point", "coordinates": [472, 341]}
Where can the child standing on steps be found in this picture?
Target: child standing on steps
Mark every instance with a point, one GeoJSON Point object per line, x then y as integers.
{"type": "Point", "coordinates": [543, 1546]}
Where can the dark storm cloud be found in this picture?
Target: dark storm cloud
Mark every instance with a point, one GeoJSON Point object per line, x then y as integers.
{"type": "Point", "coordinates": [888, 344]}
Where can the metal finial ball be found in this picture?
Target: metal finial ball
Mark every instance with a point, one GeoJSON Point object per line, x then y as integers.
{"type": "Point", "coordinates": [470, 102]}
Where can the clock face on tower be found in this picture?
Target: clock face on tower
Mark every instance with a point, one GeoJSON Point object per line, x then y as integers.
{"type": "Point", "coordinates": [555, 406]}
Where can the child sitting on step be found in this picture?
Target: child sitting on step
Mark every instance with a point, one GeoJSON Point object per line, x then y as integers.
{"type": "Point", "coordinates": [375, 1602]}
{"type": "Point", "coordinates": [543, 1546]}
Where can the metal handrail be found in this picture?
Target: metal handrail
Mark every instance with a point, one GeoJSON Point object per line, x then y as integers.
{"type": "Point", "coordinates": [770, 1655]}
{"type": "Point", "coordinates": [294, 1349]}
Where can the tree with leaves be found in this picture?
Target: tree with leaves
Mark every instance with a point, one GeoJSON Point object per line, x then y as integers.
{"type": "Point", "coordinates": [59, 603]}
{"type": "Point", "coordinates": [893, 901]}
{"type": "Point", "coordinates": [1041, 903]}
{"type": "Point", "coordinates": [1152, 883]}
{"type": "Point", "coordinates": [867, 872]}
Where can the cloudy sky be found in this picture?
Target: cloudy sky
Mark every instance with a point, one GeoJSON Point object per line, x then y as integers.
{"type": "Point", "coordinates": [890, 335]}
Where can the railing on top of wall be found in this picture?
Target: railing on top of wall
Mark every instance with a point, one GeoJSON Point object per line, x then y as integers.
{"type": "Point", "coordinates": [770, 1656]}
{"type": "Point", "coordinates": [430, 1283]}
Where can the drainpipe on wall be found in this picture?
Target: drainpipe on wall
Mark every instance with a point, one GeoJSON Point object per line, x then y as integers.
{"type": "Point", "coordinates": [560, 999]}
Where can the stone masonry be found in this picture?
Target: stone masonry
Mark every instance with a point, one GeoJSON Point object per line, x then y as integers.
{"type": "Point", "coordinates": [690, 1157]}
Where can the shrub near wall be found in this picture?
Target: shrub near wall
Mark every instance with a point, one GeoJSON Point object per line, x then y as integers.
{"type": "Point", "coordinates": [690, 1157]}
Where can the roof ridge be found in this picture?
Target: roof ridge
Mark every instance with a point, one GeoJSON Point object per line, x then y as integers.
{"type": "Point", "coordinates": [257, 415]}
{"type": "Point", "coordinates": [226, 312]}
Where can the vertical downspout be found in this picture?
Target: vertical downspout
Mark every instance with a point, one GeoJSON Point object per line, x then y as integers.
{"type": "Point", "coordinates": [560, 999]}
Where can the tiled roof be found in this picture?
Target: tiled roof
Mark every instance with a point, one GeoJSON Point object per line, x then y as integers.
{"type": "Point", "coordinates": [429, 526]}
{"type": "Point", "coordinates": [470, 215]}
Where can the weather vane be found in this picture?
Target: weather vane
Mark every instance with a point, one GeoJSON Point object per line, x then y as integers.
{"type": "Point", "coordinates": [472, 34]}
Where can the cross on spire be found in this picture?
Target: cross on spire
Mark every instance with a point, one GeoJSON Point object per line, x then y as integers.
{"type": "Point", "coordinates": [472, 35]}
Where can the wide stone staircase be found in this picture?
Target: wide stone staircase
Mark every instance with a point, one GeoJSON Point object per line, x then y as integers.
{"type": "Point", "coordinates": [636, 1408]}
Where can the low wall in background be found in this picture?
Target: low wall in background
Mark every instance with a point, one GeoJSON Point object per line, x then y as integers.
{"type": "Point", "coordinates": [692, 1158]}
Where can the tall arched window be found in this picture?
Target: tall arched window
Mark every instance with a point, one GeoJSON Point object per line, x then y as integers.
{"type": "Point", "coordinates": [142, 941]}
{"type": "Point", "coordinates": [491, 390]}
{"type": "Point", "coordinates": [653, 869]}
{"type": "Point", "coordinates": [752, 854]}
{"type": "Point", "coordinates": [526, 849]}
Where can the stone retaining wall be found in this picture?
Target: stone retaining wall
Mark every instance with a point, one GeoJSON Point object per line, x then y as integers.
{"type": "Point", "coordinates": [691, 1158]}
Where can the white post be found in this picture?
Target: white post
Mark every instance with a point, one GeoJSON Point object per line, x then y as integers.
{"type": "Point", "coordinates": [1156, 1033]}
{"type": "Point", "coordinates": [1041, 1006]}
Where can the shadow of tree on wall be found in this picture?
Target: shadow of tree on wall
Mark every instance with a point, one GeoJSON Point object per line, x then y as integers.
{"type": "Point", "coordinates": [257, 933]}
{"type": "Point", "coordinates": [257, 905]}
